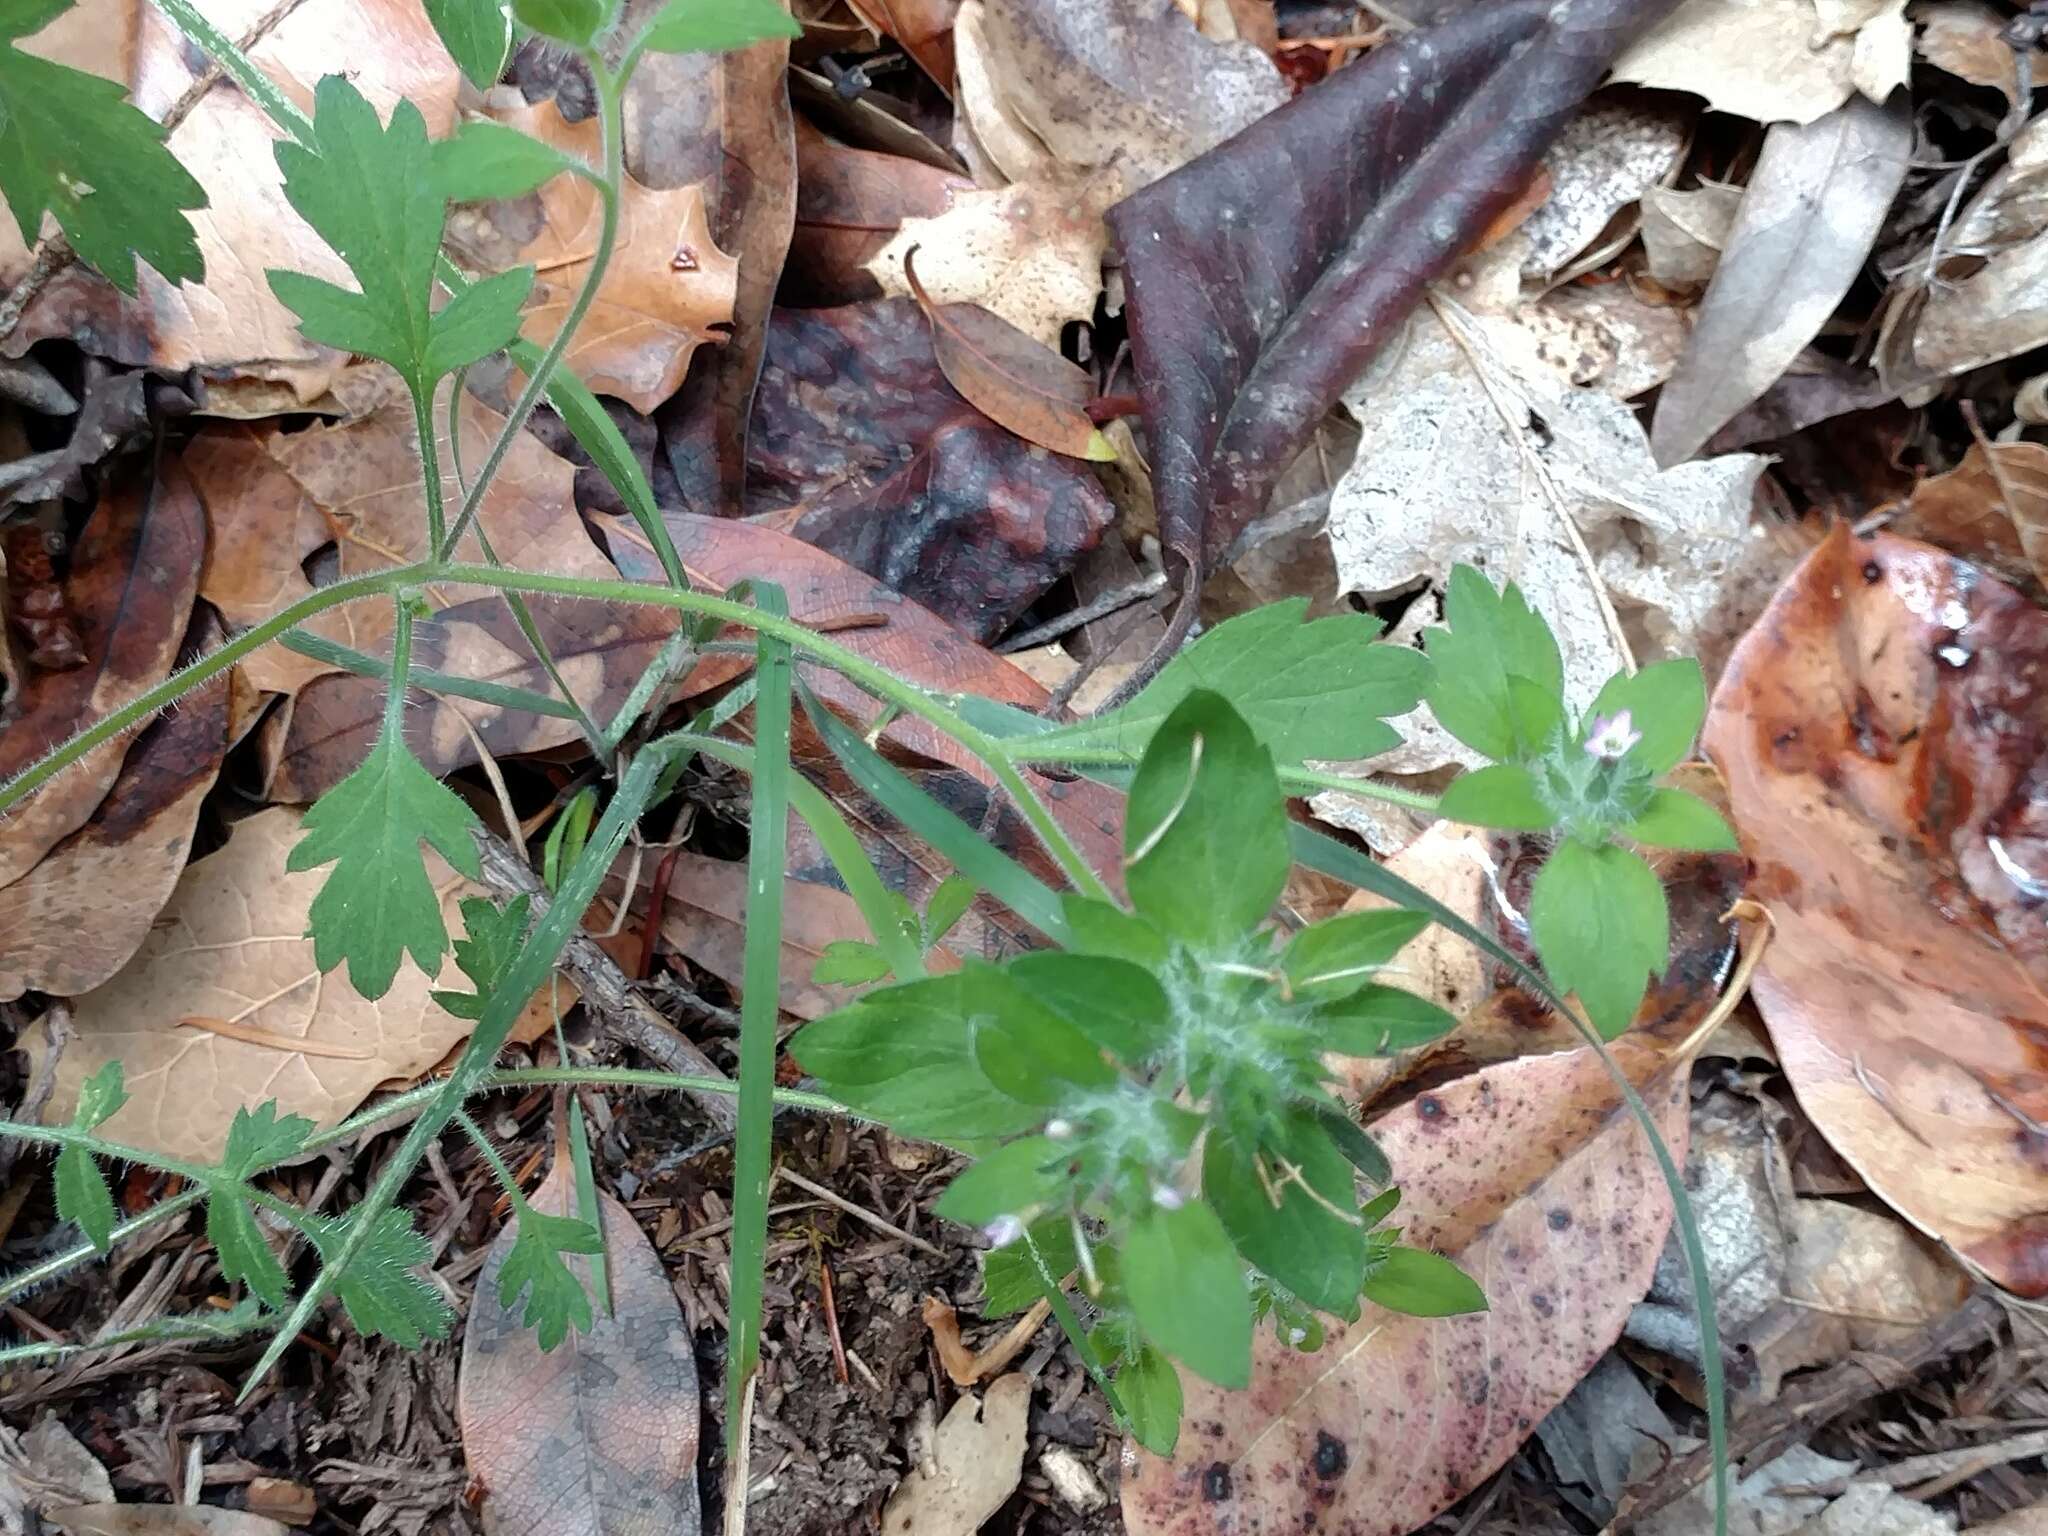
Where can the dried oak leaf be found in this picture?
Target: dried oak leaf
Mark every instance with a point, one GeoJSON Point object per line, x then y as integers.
{"type": "Point", "coordinates": [1534, 1177]}
{"type": "Point", "coordinates": [129, 592]}
{"type": "Point", "coordinates": [1886, 755]}
{"type": "Point", "coordinates": [1265, 275]}
{"type": "Point", "coordinates": [75, 919]}
{"type": "Point", "coordinates": [600, 1433]}
{"type": "Point", "coordinates": [669, 287]}
{"type": "Point", "coordinates": [862, 448]}
{"type": "Point", "coordinates": [231, 324]}
{"type": "Point", "coordinates": [230, 949]}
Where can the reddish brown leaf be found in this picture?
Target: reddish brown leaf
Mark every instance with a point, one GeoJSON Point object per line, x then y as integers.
{"type": "Point", "coordinates": [923, 27]}
{"type": "Point", "coordinates": [600, 1434]}
{"type": "Point", "coordinates": [865, 450]}
{"type": "Point", "coordinates": [849, 204]}
{"type": "Point", "coordinates": [129, 591]}
{"type": "Point", "coordinates": [1266, 274]}
{"type": "Point", "coordinates": [1887, 762]}
{"type": "Point", "coordinates": [1015, 381]}
{"type": "Point", "coordinates": [1991, 509]}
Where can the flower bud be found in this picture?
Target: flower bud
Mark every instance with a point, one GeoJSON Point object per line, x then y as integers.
{"type": "Point", "coordinates": [1003, 1231]}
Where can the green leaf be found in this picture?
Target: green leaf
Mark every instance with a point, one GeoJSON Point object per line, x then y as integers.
{"type": "Point", "coordinates": [1500, 795]}
{"type": "Point", "coordinates": [1009, 1280]}
{"type": "Point", "coordinates": [477, 321]}
{"type": "Point", "coordinates": [83, 1196]}
{"type": "Point", "coordinates": [1494, 641]}
{"type": "Point", "coordinates": [1303, 1240]}
{"type": "Point", "coordinates": [491, 938]}
{"type": "Point", "coordinates": [378, 903]}
{"type": "Point", "coordinates": [1120, 1007]}
{"type": "Point", "coordinates": [1033, 1054]}
{"type": "Point", "coordinates": [1319, 689]}
{"type": "Point", "coordinates": [1336, 957]}
{"type": "Point", "coordinates": [948, 905]}
{"type": "Point", "coordinates": [1601, 927]}
{"type": "Point", "coordinates": [1665, 702]}
{"type": "Point", "coordinates": [259, 1139]}
{"type": "Point", "coordinates": [1098, 928]}
{"type": "Point", "coordinates": [575, 22]}
{"type": "Point", "coordinates": [380, 1288]}
{"type": "Point", "coordinates": [567, 836]}
{"type": "Point", "coordinates": [1007, 1182]}
{"type": "Point", "coordinates": [1187, 1289]}
{"type": "Point", "coordinates": [72, 145]}
{"type": "Point", "coordinates": [1422, 1285]}
{"type": "Point", "coordinates": [850, 963]}
{"type": "Point", "coordinates": [1675, 819]}
{"type": "Point", "coordinates": [243, 1252]}
{"type": "Point", "coordinates": [1149, 1387]}
{"type": "Point", "coordinates": [1360, 1150]}
{"type": "Point", "coordinates": [715, 26]}
{"type": "Point", "coordinates": [1379, 1021]}
{"type": "Point", "coordinates": [478, 35]}
{"type": "Point", "coordinates": [99, 1098]}
{"type": "Point", "coordinates": [1205, 828]}
{"type": "Point", "coordinates": [555, 1298]}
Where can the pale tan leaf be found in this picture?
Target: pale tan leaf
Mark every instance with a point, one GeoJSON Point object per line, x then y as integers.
{"type": "Point", "coordinates": [1819, 55]}
{"type": "Point", "coordinates": [162, 1520]}
{"type": "Point", "coordinates": [977, 1456]}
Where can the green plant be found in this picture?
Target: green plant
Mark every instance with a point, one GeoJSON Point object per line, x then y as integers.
{"type": "Point", "coordinates": [1146, 1099]}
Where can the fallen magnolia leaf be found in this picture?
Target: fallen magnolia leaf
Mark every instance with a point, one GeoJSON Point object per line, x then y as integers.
{"type": "Point", "coordinates": [849, 204]}
{"type": "Point", "coordinates": [1533, 1176]}
{"type": "Point", "coordinates": [1812, 211]}
{"type": "Point", "coordinates": [1882, 740]}
{"type": "Point", "coordinates": [977, 1459]}
{"type": "Point", "coordinates": [1776, 61]}
{"type": "Point", "coordinates": [231, 324]}
{"type": "Point", "coordinates": [161, 1520]}
{"type": "Point", "coordinates": [1992, 509]}
{"type": "Point", "coordinates": [129, 594]}
{"type": "Point", "coordinates": [668, 288]}
{"type": "Point", "coordinates": [861, 447]}
{"type": "Point", "coordinates": [75, 919]}
{"type": "Point", "coordinates": [598, 1435]}
{"type": "Point", "coordinates": [1047, 86]}
{"type": "Point", "coordinates": [230, 945]}
{"type": "Point", "coordinates": [1252, 303]}
{"type": "Point", "coordinates": [1011, 378]}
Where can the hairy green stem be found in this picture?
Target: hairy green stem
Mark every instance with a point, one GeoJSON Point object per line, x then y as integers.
{"type": "Point", "coordinates": [504, 1175]}
{"type": "Point", "coordinates": [430, 468]}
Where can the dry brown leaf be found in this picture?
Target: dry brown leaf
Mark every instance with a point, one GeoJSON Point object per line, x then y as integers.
{"type": "Point", "coordinates": [1533, 1176]}
{"type": "Point", "coordinates": [231, 324]}
{"type": "Point", "coordinates": [923, 27]}
{"type": "Point", "coordinates": [230, 945]}
{"type": "Point", "coordinates": [76, 918]}
{"type": "Point", "coordinates": [849, 204]}
{"type": "Point", "coordinates": [129, 592]}
{"type": "Point", "coordinates": [1967, 38]}
{"type": "Point", "coordinates": [1991, 509]}
{"type": "Point", "coordinates": [1882, 736]}
{"type": "Point", "coordinates": [599, 1435]}
{"type": "Point", "coordinates": [668, 288]}
{"type": "Point", "coordinates": [976, 1460]}
{"type": "Point", "coordinates": [1819, 53]}
{"type": "Point", "coordinates": [162, 1520]}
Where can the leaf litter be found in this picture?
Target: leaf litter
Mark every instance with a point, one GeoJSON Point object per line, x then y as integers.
{"type": "Point", "coordinates": [1637, 346]}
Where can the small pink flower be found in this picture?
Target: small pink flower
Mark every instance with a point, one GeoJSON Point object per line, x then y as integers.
{"type": "Point", "coordinates": [1167, 1198]}
{"type": "Point", "coordinates": [1612, 736]}
{"type": "Point", "coordinates": [1003, 1231]}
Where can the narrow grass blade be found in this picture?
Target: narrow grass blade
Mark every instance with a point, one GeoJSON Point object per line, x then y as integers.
{"type": "Point", "coordinates": [586, 1203]}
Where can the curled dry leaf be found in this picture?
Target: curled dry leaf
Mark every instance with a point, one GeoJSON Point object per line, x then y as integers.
{"type": "Point", "coordinates": [1684, 232]}
{"type": "Point", "coordinates": [129, 593]}
{"type": "Point", "coordinates": [1253, 303]}
{"type": "Point", "coordinates": [1881, 733]}
{"type": "Point", "coordinates": [976, 1460]}
{"type": "Point", "coordinates": [923, 27]}
{"type": "Point", "coordinates": [231, 324]}
{"type": "Point", "coordinates": [1014, 380]}
{"type": "Point", "coordinates": [1534, 1178]}
{"type": "Point", "coordinates": [75, 919]}
{"type": "Point", "coordinates": [230, 949]}
{"type": "Point", "coordinates": [1819, 54]}
{"type": "Point", "coordinates": [862, 448]}
{"type": "Point", "coordinates": [597, 1437]}
{"type": "Point", "coordinates": [1812, 211]}
{"type": "Point", "coordinates": [1992, 509]}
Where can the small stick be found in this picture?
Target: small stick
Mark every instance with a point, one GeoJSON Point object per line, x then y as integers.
{"type": "Point", "coordinates": [1112, 601]}
{"type": "Point", "coordinates": [832, 1319]}
{"type": "Point", "coordinates": [867, 1216]}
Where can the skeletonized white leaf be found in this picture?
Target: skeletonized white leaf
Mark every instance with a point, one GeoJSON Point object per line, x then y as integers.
{"type": "Point", "coordinates": [1807, 222]}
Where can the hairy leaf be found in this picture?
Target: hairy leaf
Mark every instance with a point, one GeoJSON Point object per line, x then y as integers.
{"type": "Point", "coordinates": [1187, 1289]}
{"type": "Point", "coordinates": [259, 1137]}
{"type": "Point", "coordinates": [484, 159]}
{"type": "Point", "coordinates": [555, 1298]}
{"type": "Point", "coordinates": [1599, 920]}
{"type": "Point", "coordinates": [380, 1288]}
{"type": "Point", "coordinates": [83, 1196]}
{"type": "Point", "coordinates": [242, 1251]}
{"type": "Point", "coordinates": [492, 938]}
{"type": "Point", "coordinates": [73, 146]}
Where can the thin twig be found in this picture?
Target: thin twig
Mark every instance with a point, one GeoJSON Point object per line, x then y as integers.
{"type": "Point", "coordinates": [860, 1212]}
{"type": "Point", "coordinates": [1113, 601]}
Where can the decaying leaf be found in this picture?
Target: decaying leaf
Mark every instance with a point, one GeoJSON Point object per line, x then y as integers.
{"type": "Point", "coordinates": [73, 920]}
{"type": "Point", "coordinates": [849, 204]}
{"type": "Point", "coordinates": [1534, 1178]}
{"type": "Point", "coordinates": [1606, 158]}
{"type": "Point", "coordinates": [1781, 1496]}
{"type": "Point", "coordinates": [1684, 232]}
{"type": "Point", "coordinates": [1992, 509]}
{"type": "Point", "coordinates": [129, 592]}
{"type": "Point", "coordinates": [923, 27]}
{"type": "Point", "coordinates": [1811, 213]}
{"type": "Point", "coordinates": [230, 950]}
{"type": "Point", "coordinates": [597, 1437]}
{"type": "Point", "coordinates": [1253, 304]}
{"type": "Point", "coordinates": [1776, 61]}
{"type": "Point", "coordinates": [231, 324]}
{"type": "Point", "coordinates": [863, 449]}
{"type": "Point", "coordinates": [162, 1520]}
{"type": "Point", "coordinates": [1882, 739]}
{"type": "Point", "coordinates": [1967, 38]}
{"type": "Point", "coordinates": [977, 1456]}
